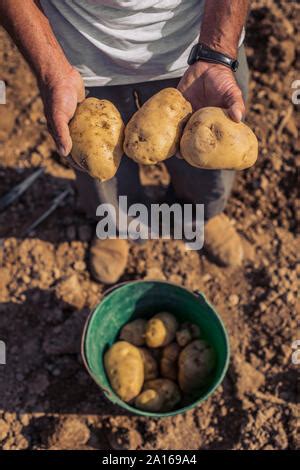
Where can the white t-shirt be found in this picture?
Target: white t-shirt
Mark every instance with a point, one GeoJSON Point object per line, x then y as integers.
{"type": "Point", "coordinates": [113, 42]}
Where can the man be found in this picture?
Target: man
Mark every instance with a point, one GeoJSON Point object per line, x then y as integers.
{"type": "Point", "coordinates": [116, 48]}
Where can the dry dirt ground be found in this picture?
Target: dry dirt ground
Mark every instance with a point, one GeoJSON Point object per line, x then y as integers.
{"type": "Point", "coordinates": [47, 400]}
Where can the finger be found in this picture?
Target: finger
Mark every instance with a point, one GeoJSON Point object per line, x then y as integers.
{"type": "Point", "coordinates": [59, 129]}
{"type": "Point", "coordinates": [235, 113]}
{"type": "Point", "coordinates": [236, 107]}
{"type": "Point", "coordinates": [81, 94]}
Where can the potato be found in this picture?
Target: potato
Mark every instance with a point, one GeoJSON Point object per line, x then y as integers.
{"type": "Point", "coordinates": [150, 364]}
{"type": "Point", "coordinates": [154, 131]}
{"type": "Point", "coordinates": [134, 332]}
{"type": "Point", "coordinates": [196, 362]}
{"type": "Point", "coordinates": [97, 133]}
{"type": "Point", "coordinates": [125, 369]}
{"type": "Point", "coordinates": [169, 363]}
{"type": "Point", "coordinates": [160, 330]}
{"type": "Point", "coordinates": [211, 140]}
{"type": "Point", "coordinates": [186, 333]}
{"type": "Point", "coordinates": [167, 390]}
{"type": "Point", "coordinates": [150, 400]}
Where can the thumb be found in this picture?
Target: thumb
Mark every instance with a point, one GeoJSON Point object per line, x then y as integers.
{"type": "Point", "coordinates": [60, 132]}
{"type": "Point", "coordinates": [81, 94]}
{"type": "Point", "coordinates": [236, 107]}
{"type": "Point", "coordinates": [235, 113]}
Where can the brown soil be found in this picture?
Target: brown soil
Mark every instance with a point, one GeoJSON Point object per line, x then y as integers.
{"type": "Point", "coordinates": [47, 400]}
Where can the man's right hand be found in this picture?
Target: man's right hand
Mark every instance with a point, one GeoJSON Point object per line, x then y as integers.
{"type": "Point", "coordinates": [61, 94]}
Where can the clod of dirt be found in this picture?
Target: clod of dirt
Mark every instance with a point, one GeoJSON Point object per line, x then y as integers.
{"type": "Point", "coordinates": [7, 119]}
{"type": "Point", "coordinates": [4, 430]}
{"type": "Point", "coordinates": [248, 379]}
{"type": "Point", "coordinates": [124, 439]}
{"type": "Point", "coordinates": [70, 434]}
{"type": "Point", "coordinates": [70, 291]}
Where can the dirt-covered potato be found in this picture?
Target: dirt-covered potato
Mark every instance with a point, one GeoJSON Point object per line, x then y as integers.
{"type": "Point", "coordinates": [160, 330]}
{"type": "Point", "coordinates": [97, 133]}
{"type": "Point", "coordinates": [169, 361]}
{"type": "Point", "coordinates": [186, 333]}
{"type": "Point", "coordinates": [150, 400]}
{"type": "Point", "coordinates": [153, 133]}
{"type": "Point", "coordinates": [196, 362]}
{"type": "Point", "coordinates": [150, 364]}
{"type": "Point", "coordinates": [167, 390]}
{"type": "Point", "coordinates": [211, 140]}
{"type": "Point", "coordinates": [125, 369]}
{"type": "Point", "coordinates": [134, 332]}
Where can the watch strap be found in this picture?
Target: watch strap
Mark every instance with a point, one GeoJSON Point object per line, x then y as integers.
{"type": "Point", "coordinates": [202, 52]}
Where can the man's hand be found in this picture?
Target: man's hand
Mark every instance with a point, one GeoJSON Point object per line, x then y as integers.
{"type": "Point", "coordinates": [208, 84]}
{"type": "Point", "coordinates": [60, 84]}
{"type": "Point", "coordinates": [60, 96]}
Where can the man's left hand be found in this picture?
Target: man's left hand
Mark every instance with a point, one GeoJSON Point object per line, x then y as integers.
{"type": "Point", "coordinates": [209, 84]}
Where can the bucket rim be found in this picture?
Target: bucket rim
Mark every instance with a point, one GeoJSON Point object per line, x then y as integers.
{"type": "Point", "coordinates": [115, 399]}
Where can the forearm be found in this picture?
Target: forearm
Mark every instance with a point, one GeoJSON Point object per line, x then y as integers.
{"type": "Point", "coordinates": [222, 24]}
{"type": "Point", "coordinates": [31, 31]}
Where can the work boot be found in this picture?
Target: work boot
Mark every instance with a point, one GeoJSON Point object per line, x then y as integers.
{"type": "Point", "coordinates": [222, 242]}
{"type": "Point", "coordinates": [108, 259]}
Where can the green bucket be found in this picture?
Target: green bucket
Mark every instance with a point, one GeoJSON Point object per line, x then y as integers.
{"type": "Point", "coordinates": [136, 299]}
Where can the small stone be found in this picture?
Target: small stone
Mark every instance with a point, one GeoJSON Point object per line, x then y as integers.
{"type": "Point", "coordinates": [4, 430]}
{"type": "Point", "coordinates": [234, 300]}
{"type": "Point", "coordinates": [80, 266]}
{"type": "Point", "coordinates": [206, 277]}
{"type": "Point", "coordinates": [25, 419]}
{"type": "Point", "coordinates": [155, 273]}
{"type": "Point", "coordinates": [26, 279]}
{"type": "Point", "coordinates": [35, 159]}
{"type": "Point", "coordinates": [124, 439]}
{"type": "Point", "coordinates": [70, 291]}
{"type": "Point", "coordinates": [290, 297]}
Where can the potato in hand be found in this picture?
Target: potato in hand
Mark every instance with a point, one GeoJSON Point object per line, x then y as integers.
{"type": "Point", "coordinates": [153, 133]}
{"type": "Point", "coordinates": [213, 141]}
{"type": "Point", "coordinates": [97, 133]}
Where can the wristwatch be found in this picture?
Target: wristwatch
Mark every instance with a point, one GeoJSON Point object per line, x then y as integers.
{"type": "Point", "coordinates": [202, 52]}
